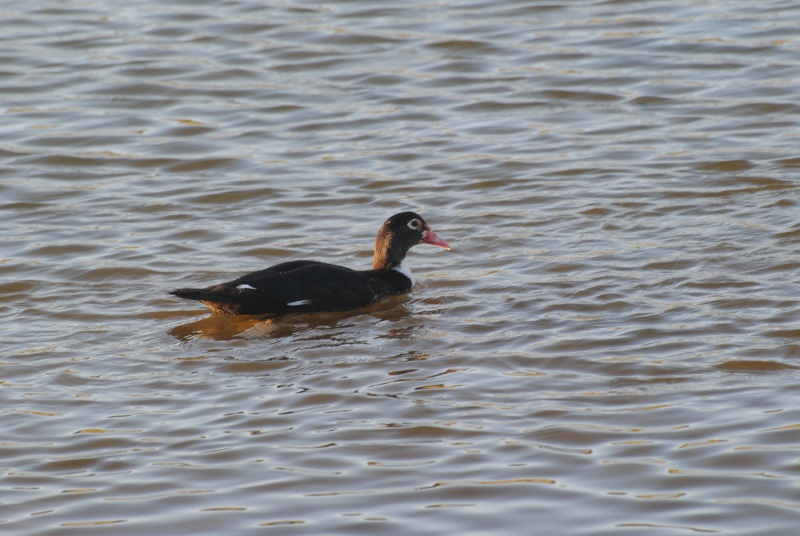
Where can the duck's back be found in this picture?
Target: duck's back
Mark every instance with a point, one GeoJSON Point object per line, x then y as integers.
{"type": "Point", "coordinates": [291, 287]}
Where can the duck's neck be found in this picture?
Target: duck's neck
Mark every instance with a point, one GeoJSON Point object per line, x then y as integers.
{"type": "Point", "coordinates": [384, 262]}
{"type": "Point", "coordinates": [404, 269]}
{"type": "Point", "coordinates": [387, 255]}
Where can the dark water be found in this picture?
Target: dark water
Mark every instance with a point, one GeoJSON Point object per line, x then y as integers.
{"type": "Point", "coordinates": [611, 347]}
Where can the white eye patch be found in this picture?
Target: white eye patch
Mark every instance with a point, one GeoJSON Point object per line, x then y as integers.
{"type": "Point", "coordinates": [414, 224]}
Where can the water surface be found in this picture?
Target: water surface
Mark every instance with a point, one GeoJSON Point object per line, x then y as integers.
{"type": "Point", "coordinates": [608, 349]}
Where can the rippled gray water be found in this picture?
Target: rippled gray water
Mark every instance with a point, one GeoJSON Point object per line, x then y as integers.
{"type": "Point", "coordinates": [610, 348]}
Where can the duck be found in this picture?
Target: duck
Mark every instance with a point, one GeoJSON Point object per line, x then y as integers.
{"type": "Point", "coordinates": [306, 286]}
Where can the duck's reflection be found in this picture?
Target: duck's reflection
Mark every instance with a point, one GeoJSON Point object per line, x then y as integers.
{"type": "Point", "coordinates": [224, 327]}
{"type": "Point", "coordinates": [227, 327]}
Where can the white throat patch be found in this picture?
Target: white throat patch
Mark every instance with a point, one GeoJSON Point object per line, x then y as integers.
{"type": "Point", "coordinates": [406, 271]}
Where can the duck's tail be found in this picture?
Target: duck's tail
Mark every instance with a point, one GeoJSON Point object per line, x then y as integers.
{"type": "Point", "coordinates": [195, 294]}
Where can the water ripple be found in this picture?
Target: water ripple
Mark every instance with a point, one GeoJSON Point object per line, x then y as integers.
{"type": "Point", "coordinates": [614, 327]}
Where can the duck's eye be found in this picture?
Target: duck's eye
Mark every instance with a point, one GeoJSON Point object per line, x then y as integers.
{"type": "Point", "coordinates": [415, 224]}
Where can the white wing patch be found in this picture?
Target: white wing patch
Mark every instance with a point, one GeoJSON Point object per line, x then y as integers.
{"type": "Point", "coordinates": [406, 271]}
{"type": "Point", "coordinates": [245, 286]}
{"type": "Point", "coordinates": [298, 303]}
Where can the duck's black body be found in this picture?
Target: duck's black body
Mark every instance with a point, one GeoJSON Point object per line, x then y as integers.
{"type": "Point", "coordinates": [310, 286]}
{"type": "Point", "coordinates": [300, 287]}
